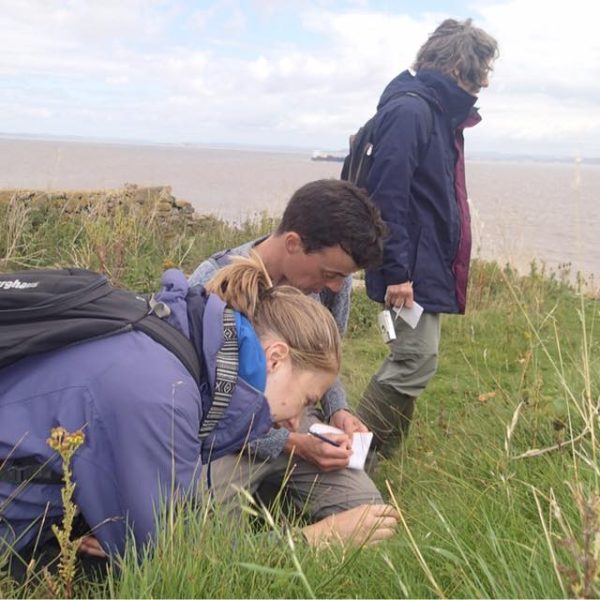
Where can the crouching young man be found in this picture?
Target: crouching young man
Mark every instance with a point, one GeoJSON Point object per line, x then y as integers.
{"type": "Point", "coordinates": [329, 229]}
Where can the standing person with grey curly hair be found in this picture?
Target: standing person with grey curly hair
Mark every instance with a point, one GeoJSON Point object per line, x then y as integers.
{"type": "Point", "coordinates": [417, 180]}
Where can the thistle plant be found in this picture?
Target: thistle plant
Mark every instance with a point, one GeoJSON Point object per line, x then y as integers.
{"type": "Point", "coordinates": [66, 444]}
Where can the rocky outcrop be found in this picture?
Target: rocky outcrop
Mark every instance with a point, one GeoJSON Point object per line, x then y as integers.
{"type": "Point", "coordinates": [153, 200]}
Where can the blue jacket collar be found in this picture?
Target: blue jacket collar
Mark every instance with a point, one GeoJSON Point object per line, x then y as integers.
{"type": "Point", "coordinates": [441, 91]}
{"type": "Point", "coordinates": [200, 317]}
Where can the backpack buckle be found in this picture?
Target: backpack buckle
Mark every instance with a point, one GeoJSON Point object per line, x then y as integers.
{"type": "Point", "coordinates": [159, 309]}
{"type": "Point", "coordinates": [17, 473]}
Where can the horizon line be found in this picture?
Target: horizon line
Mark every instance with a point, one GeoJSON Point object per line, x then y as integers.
{"type": "Point", "coordinates": [474, 155]}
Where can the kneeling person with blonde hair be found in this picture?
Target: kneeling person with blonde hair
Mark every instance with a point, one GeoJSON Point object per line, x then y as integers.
{"type": "Point", "coordinates": [144, 416]}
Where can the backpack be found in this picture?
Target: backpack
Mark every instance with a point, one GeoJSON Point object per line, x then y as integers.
{"type": "Point", "coordinates": [47, 309]}
{"type": "Point", "coordinates": [359, 160]}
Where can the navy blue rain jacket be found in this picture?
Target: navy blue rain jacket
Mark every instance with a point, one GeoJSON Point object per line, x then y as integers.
{"type": "Point", "coordinates": [417, 182]}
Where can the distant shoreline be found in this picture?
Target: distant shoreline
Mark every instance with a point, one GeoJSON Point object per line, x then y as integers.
{"type": "Point", "coordinates": [153, 144]}
{"type": "Point", "coordinates": [519, 210]}
{"type": "Point", "coordinates": [302, 151]}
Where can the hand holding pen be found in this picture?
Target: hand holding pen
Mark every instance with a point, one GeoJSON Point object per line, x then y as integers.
{"type": "Point", "coordinates": [325, 439]}
{"type": "Point", "coordinates": [328, 451]}
{"type": "Point", "coordinates": [400, 294]}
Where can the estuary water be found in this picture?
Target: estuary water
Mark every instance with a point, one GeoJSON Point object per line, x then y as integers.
{"type": "Point", "coordinates": [520, 210]}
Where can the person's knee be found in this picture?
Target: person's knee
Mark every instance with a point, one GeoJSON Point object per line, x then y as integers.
{"type": "Point", "coordinates": [408, 374]}
{"type": "Point", "coordinates": [352, 489]}
{"type": "Point", "coordinates": [325, 509]}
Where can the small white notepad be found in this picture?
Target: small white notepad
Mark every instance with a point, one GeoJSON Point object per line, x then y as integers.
{"type": "Point", "coordinates": [361, 442]}
{"type": "Point", "coordinates": [410, 315]}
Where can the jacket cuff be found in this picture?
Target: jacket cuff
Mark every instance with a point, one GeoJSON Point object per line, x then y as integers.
{"type": "Point", "coordinates": [270, 446]}
{"type": "Point", "coordinates": [395, 275]}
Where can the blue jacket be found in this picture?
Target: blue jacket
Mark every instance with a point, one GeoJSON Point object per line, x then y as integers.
{"type": "Point", "coordinates": [141, 412]}
{"type": "Point", "coordinates": [417, 182]}
{"type": "Point", "coordinates": [272, 445]}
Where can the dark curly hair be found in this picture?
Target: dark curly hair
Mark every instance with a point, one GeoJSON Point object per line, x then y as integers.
{"type": "Point", "coordinates": [329, 212]}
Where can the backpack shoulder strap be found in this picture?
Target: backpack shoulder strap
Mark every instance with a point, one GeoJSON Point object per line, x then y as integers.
{"type": "Point", "coordinates": [428, 124]}
{"type": "Point", "coordinates": [173, 340]}
{"type": "Point", "coordinates": [428, 112]}
{"type": "Point", "coordinates": [428, 117]}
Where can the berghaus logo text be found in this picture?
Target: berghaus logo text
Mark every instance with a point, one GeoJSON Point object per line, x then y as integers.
{"type": "Point", "coordinates": [15, 284]}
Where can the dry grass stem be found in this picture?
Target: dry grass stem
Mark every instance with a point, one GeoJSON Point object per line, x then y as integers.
{"type": "Point", "coordinates": [414, 545]}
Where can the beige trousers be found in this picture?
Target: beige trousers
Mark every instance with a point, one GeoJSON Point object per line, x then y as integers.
{"type": "Point", "coordinates": [388, 402]}
{"type": "Point", "coordinates": [314, 493]}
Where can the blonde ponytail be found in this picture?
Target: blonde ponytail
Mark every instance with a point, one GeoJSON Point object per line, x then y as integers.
{"type": "Point", "coordinates": [285, 312]}
{"type": "Point", "coordinates": [242, 283]}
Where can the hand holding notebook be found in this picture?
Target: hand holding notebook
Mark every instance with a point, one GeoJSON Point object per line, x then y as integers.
{"type": "Point", "coordinates": [361, 442]}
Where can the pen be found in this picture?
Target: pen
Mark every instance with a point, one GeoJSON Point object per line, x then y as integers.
{"type": "Point", "coordinates": [324, 439]}
{"type": "Point", "coordinates": [397, 310]}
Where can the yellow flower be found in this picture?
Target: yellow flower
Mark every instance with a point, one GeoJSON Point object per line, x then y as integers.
{"type": "Point", "coordinates": [63, 442]}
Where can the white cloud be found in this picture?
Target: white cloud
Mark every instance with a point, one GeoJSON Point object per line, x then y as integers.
{"type": "Point", "coordinates": [40, 112]}
{"type": "Point", "coordinates": [236, 22]}
{"type": "Point", "coordinates": [260, 69]}
{"type": "Point", "coordinates": [117, 80]}
{"type": "Point", "coordinates": [132, 63]}
{"type": "Point", "coordinates": [546, 88]}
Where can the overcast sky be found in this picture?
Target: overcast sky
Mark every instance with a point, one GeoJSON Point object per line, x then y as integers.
{"type": "Point", "coordinates": [301, 73]}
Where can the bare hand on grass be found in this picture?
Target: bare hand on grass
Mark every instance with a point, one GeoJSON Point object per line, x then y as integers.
{"type": "Point", "coordinates": [365, 524]}
{"type": "Point", "coordinates": [90, 545]}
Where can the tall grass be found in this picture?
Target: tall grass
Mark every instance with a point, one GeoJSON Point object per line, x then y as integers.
{"type": "Point", "coordinates": [499, 478]}
{"type": "Point", "coordinates": [130, 245]}
{"type": "Point", "coordinates": [498, 483]}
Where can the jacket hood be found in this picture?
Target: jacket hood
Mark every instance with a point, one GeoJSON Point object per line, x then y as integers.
{"type": "Point", "coordinates": [173, 293]}
{"type": "Point", "coordinates": [199, 316]}
{"type": "Point", "coordinates": [441, 91]}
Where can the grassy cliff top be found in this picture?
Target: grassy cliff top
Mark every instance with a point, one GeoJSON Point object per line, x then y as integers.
{"type": "Point", "coordinates": [498, 483]}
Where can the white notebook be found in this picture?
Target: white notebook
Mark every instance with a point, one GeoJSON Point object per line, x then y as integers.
{"type": "Point", "coordinates": [410, 315]}
{"type": "Point", "coordinates": [361, 442]}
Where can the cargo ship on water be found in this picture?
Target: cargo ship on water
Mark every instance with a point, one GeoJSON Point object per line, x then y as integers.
{"type": "Point", "coordinates": [328, 156]}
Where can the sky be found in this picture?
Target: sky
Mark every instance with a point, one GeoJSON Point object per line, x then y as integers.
{"type": "Point", "coordinates": [288, 73]}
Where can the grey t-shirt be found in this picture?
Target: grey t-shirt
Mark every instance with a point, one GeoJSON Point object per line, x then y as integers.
{"type": "Point", "coordinates": [272, 445]}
